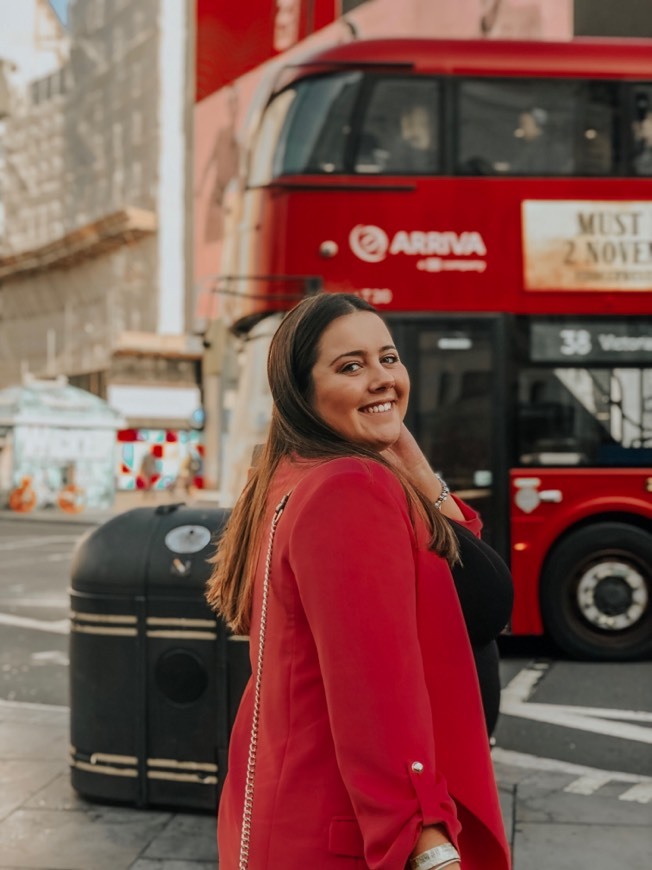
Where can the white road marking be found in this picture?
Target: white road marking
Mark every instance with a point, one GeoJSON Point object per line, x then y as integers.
{"type": "Point", "coordinates": [641, 793]}
{"type": "Point", "coordinates": [589, 782]}
{"type": "Point", "coordinates": [30, 705]}
{"type": "Point", "coordinates": [640, 790]}
{"type": "Point", "coordinates": [58, 626]}
{"type": "Point", "coordinates": [40, 541]}
{"type": "Point", "coordinates": [32, 560]}
{"type": "Point", "coordinates": [55, 601]}
{"type": "Point", "coordinates": [50, 657]}
{"type": "Point", "coordinates": [597, 720]}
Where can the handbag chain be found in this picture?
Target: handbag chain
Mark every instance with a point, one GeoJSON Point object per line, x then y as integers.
{"type": "Point", "coordinates": [245, 836]}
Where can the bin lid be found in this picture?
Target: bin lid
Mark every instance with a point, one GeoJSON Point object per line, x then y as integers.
{"type": "Point", "coordinates": [153, 552]}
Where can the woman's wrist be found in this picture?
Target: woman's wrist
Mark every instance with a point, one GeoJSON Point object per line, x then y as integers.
{"type": "Point", "coordinates": [436, 858]}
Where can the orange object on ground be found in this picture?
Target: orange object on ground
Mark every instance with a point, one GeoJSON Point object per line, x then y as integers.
{"type": "Point", "coordinates": [23, 498]}
{"type": "Point", "coordinates": [71, 499]}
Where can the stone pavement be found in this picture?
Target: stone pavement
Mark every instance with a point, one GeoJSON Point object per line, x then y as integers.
{"type": "Point", "coordinates": [124, 501]}
{"type": "Point", "coordinates": [45, 825]}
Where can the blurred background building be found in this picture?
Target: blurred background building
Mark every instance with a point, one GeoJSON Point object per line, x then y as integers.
{"type": "Point", "coordinates": [122, 126]}
{"type": "Point", "coordinates": [95, 254]}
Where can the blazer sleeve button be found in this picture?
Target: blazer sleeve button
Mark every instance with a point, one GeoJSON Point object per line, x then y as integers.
{"type": "Point", "coordinates": [417, 767]}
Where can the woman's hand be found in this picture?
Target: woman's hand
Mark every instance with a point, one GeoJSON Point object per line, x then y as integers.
{"type": "Point", "coordinates": [406, 455]}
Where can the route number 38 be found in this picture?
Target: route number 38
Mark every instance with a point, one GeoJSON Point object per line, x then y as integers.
{"type": "Point", "coordinates": [575, 342]}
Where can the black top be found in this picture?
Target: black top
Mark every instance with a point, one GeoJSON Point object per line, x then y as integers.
{"type": "Point", "coordinates": [484, 586]}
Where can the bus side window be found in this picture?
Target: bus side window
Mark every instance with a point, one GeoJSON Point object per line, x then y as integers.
{"type": "Point", "coordinates": [641, 157]}
{"type": "Point", "coordinates": [597, 145]}
{"type": "Point", "coordinates": [522, 127]}
{"type": "Point", "coordinates": [400, 131]}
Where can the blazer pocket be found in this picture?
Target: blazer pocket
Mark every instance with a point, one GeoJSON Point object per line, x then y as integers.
{"type": "Point", "coordinates": [344, 838]}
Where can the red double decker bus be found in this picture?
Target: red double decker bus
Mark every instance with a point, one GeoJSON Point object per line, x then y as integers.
{"type": "Point", "coordinates": [494, 201]}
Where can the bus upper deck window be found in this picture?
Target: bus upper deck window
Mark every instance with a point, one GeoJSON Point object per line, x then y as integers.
{"type": "Point", "coordinates": [642, 131]}
{"type": "Point", "coordinates": [596, 137]}
{"type": "Point", "coordinates": [316, 127]}
{"type": "Point", "coordinates": [523, 127]}
{"type": "Point", "coordinates": [399, 134]}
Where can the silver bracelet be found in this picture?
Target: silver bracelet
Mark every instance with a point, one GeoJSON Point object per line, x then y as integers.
{"type": "Point", "coordinates": [443, 495]}
{"type": "Point", "coordinates": [446, 864]}
{"type": "Point", "coordinates": [437, 857]}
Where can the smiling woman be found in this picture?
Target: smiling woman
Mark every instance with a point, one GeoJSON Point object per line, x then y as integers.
{"type": "Point", "coordinates": [360, 386]}
{"type": "Point", "coordinates": [370, 691]}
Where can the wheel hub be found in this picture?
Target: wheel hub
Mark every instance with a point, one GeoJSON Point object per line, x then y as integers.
{"type": "Point", "coordinates": [612, 595]}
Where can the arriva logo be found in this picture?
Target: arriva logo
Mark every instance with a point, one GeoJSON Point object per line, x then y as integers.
{"type": "Point", "coordinates": [371, 244]}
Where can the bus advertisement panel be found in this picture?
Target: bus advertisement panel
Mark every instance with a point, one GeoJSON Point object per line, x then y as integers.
{"type": "Point", "coordinates": [494, 200]}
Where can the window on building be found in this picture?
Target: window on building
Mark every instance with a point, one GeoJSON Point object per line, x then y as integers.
{"type": "Point", "coordinates": [136, 127]}
{"type": "Point", "coordinates": [118, 43]}
{"type": "Point", "coordinates": [117, 140]}
{"type": "Point", "coordinates": [136, 182]}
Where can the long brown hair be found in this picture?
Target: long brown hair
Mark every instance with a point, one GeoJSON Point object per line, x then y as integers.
{"type": "Point", "coordinates": [296, 429]}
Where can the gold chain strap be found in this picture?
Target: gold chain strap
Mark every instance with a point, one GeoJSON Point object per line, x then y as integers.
{"type": "Point", "coordinates": [247, 811]}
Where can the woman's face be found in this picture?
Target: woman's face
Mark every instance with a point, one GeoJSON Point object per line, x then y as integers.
{"type": "Point", "coordinates": [360, 386]}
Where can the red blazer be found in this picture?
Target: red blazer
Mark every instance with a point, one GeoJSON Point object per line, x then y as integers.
{"type": "Point", "coordinates": [371, 722]}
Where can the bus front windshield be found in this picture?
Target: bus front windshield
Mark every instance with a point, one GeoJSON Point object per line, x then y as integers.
{"type": "Point", "coordinates": [348, 122]}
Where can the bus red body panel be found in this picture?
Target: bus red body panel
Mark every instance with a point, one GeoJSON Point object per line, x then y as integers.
{"type": "Point", "coordinates": [421, 258]}
{"type": "Point", "coordinates": [554, 501]}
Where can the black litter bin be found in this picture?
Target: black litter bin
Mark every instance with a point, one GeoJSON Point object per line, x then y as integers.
{"type": "Point", "coordinates": [155, 678]}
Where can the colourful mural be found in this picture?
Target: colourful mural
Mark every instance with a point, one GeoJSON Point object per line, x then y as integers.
{"type": "Point", "coordinates": [57, 447]}
{"type": "Point", "coordinates": [160, 460]}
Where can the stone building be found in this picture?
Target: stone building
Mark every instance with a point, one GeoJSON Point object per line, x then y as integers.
{"type": "Point", "coordinates": [95, 278]}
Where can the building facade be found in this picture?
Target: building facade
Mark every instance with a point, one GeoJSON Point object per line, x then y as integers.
{"type": "Point", "coordinates": [94, 267]}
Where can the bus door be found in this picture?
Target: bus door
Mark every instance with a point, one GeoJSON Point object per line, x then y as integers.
{"type": "Point", "coordinates": [455, 411]}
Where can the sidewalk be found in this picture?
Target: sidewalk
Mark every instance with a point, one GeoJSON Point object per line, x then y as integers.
{"type": "Point", "coordinates": [45, 825]}
{"type": "Point", "coordinates": [556, 819]}
{"type": "Point", "coordinates": [124, 501]}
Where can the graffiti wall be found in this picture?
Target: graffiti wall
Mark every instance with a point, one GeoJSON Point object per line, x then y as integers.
{"type": "Point", "coordinates": [160, 460]}
{"type": "Point", "coordinates": [51, 459]}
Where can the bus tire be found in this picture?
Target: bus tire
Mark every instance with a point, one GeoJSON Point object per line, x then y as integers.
{"type": "Point", "coordinates": [596, 593]}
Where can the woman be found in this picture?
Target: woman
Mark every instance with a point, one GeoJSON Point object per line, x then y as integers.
{"type": "Point", "coordinates": [371, 749]}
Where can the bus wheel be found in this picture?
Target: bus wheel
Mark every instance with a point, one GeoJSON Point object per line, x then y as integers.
{"type": "Point", "coordinates": [596, 593]}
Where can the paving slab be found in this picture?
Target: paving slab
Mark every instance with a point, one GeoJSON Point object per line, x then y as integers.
{"type": "Point", "coordinates": [46, 825]}
{"type": "Point", "coordinates": [576, 847]}
{"type": "Point", "coordinates": [148, 864]}
{"type": "Point", "coordinates": [58, 794]}
{"type": "Point", "coordinates": [507, 796]}
{"type": "Point", "coordinates": [19, 779]}
{"type": "Point", "coordinates": [77, 840]}
{"type": "Point", "coordinates": [186, 838]}
{"type": "Point", "coordinates": [542, 798]}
